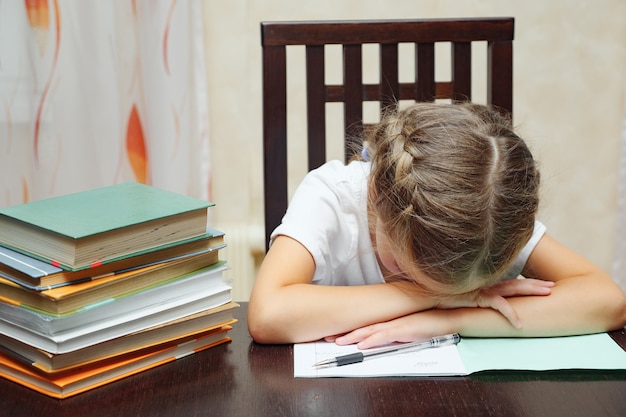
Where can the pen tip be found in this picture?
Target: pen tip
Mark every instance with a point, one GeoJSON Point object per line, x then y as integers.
{"type": "Point", "coordinates": [321, 364]}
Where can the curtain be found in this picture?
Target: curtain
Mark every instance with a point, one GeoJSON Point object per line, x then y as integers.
{"type": "Point", "coordinates": [619, 267]}
{"type": "Point", "coordinates": [94, 93]}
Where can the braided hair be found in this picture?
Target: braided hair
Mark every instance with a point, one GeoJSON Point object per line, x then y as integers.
{"type": "Point", "coordinates": [455, 191]}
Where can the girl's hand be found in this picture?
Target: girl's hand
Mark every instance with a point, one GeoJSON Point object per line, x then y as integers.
{"type": "Point", "coordinates": [494, 297]}
{"type": "Point", "coordinates": [417, 326]}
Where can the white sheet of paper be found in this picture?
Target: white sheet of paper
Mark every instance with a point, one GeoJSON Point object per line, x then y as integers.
{"type": "Point", "coordinates": [440, 361]}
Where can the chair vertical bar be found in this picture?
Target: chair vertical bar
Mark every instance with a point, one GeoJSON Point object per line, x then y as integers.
{"type": "Point", "coordinates": [389, 82]}
{"type": "Point", "coordinates": [500, 75]}
{"type": "Point", "coordinates": [425, 72]}
{"type": "Point", "coordinates": [316, 108]}
{"type": "Point", "coordinates": [275, 136]}
{"type": "Point", "coordinates": [353, 97]}
{"type": "Point", "coordinates": [461, 71]}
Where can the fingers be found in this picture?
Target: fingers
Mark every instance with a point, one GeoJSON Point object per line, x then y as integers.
{"type": "Point", "coordinates": [356, 336]}
{"type": "Point", "coordinates": [494, 296]}
{"type": "Point", "coordinates": [499, 303]}
{"type": "Point", "coordinates": [367, 337]}
{"type": "Point", "coordinates": [525, 286]}
{"type": "Point", "coordinates": [402, 329]}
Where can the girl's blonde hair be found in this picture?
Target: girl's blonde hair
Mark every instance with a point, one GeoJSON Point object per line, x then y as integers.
{"type": "Point", "coordinates": [455, 191]}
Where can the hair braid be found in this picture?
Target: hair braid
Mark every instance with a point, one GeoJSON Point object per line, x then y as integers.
{"type": "Point", "coordinates": [455, 191]}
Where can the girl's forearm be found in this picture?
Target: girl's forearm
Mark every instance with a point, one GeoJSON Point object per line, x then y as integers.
{"type": "Point", "coordinates": [306, 312]}
{"type": "Point", "coordinates": [577, 305]}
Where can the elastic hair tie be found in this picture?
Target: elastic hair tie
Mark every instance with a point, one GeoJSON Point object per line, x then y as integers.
{"type": "Point", "coordinates": [365, 154]}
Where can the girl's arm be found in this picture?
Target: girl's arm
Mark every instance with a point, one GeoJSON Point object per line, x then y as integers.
{"type": "Point", "coordinates": [583, 300]}
{"type": "Point", "coordinates": [286, 308]}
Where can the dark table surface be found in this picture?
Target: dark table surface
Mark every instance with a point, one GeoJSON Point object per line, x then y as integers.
{"type": "Point", "coordinates": [246, 379]}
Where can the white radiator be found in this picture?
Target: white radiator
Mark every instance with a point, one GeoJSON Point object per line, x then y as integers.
{"type": "Point", "coordinates": [245, 245]}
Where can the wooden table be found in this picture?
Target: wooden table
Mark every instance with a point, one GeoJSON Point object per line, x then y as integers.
{"type": "Point", "coordinates": [244, 379]}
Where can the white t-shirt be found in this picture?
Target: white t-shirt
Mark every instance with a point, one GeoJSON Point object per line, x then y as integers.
{"type": "Point", "coordinates": [328, 216]}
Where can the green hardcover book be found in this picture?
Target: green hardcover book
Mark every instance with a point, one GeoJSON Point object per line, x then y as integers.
{"type": "Point", "coordinates": [82, 230]}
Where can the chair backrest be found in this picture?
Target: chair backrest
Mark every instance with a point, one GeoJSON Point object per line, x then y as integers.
{"type": "Point", "coordinates": [459, 33]}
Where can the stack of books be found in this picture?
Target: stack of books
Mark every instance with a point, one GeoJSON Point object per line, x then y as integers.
{"type": "Point", "coordinates": [99, 285]}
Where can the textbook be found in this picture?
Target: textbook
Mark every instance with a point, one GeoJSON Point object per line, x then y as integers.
{"type": "Point", "coordinates": [37, 275]}
{"type": "Point", "coordinates": [65, 299]}
{"type": "Point", "coordinates": [92, 333]}
{"type": "Point", "coordinates": [170, 333]}
{"type": "Point", "coordinates": [70, 383]}
{"type": "Point", "coordinates": [471, 355]}
{"type": "Point", "coordinates": [77, 231]}
{"type": "Point", "coordinates": [171, 293]}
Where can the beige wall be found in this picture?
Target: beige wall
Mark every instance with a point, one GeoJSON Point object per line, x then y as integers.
{"type": "Point", "coordinates": [570, 68]}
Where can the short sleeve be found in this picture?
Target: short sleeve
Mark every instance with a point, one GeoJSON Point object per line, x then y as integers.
{"type": "Point", "coordinates": [325, 216]}
{"type": "Point", "coordinates": [522, 257]}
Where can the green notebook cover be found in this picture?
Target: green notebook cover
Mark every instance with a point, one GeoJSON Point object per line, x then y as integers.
{"type": "Point", "coordinates": [103, 209]}
{"type": "Point", "coordinates": [79, 230]}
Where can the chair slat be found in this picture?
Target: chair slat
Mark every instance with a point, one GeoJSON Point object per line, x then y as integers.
{"type": "Point", "coordinates": [500, 75]}
{"type": "Point", "coordinates": [389, 84]}
{"type": "Point", "coordinates": [425, 74]}
{"type": "Point", "coordinates": [274, 134]}
{"type": "Point", "coordinates": [461, 71]}
{"type": "Point", "coordinates": [385, 31]}
{"type": "Point", "coordinates": [353, 99]}
{"type": "Point", "coordinates": [316, 109]}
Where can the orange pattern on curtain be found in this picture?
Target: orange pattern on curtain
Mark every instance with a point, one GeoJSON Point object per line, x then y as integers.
{"type": "Point", "coordinates": [38, 14]}
{"type": "Point", "coordinates": [136, 147]}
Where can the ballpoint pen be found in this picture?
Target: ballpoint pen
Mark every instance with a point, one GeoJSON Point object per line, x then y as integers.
{"type": "Point", "coordinates": [438, 341]}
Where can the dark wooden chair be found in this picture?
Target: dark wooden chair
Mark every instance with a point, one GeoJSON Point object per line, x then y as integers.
{"type": "Point", "coordinates": [353, 92]}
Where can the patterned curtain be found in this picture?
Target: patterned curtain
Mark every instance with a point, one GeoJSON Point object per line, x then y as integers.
{"type": "Point", "coordinates": [94, 93]}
